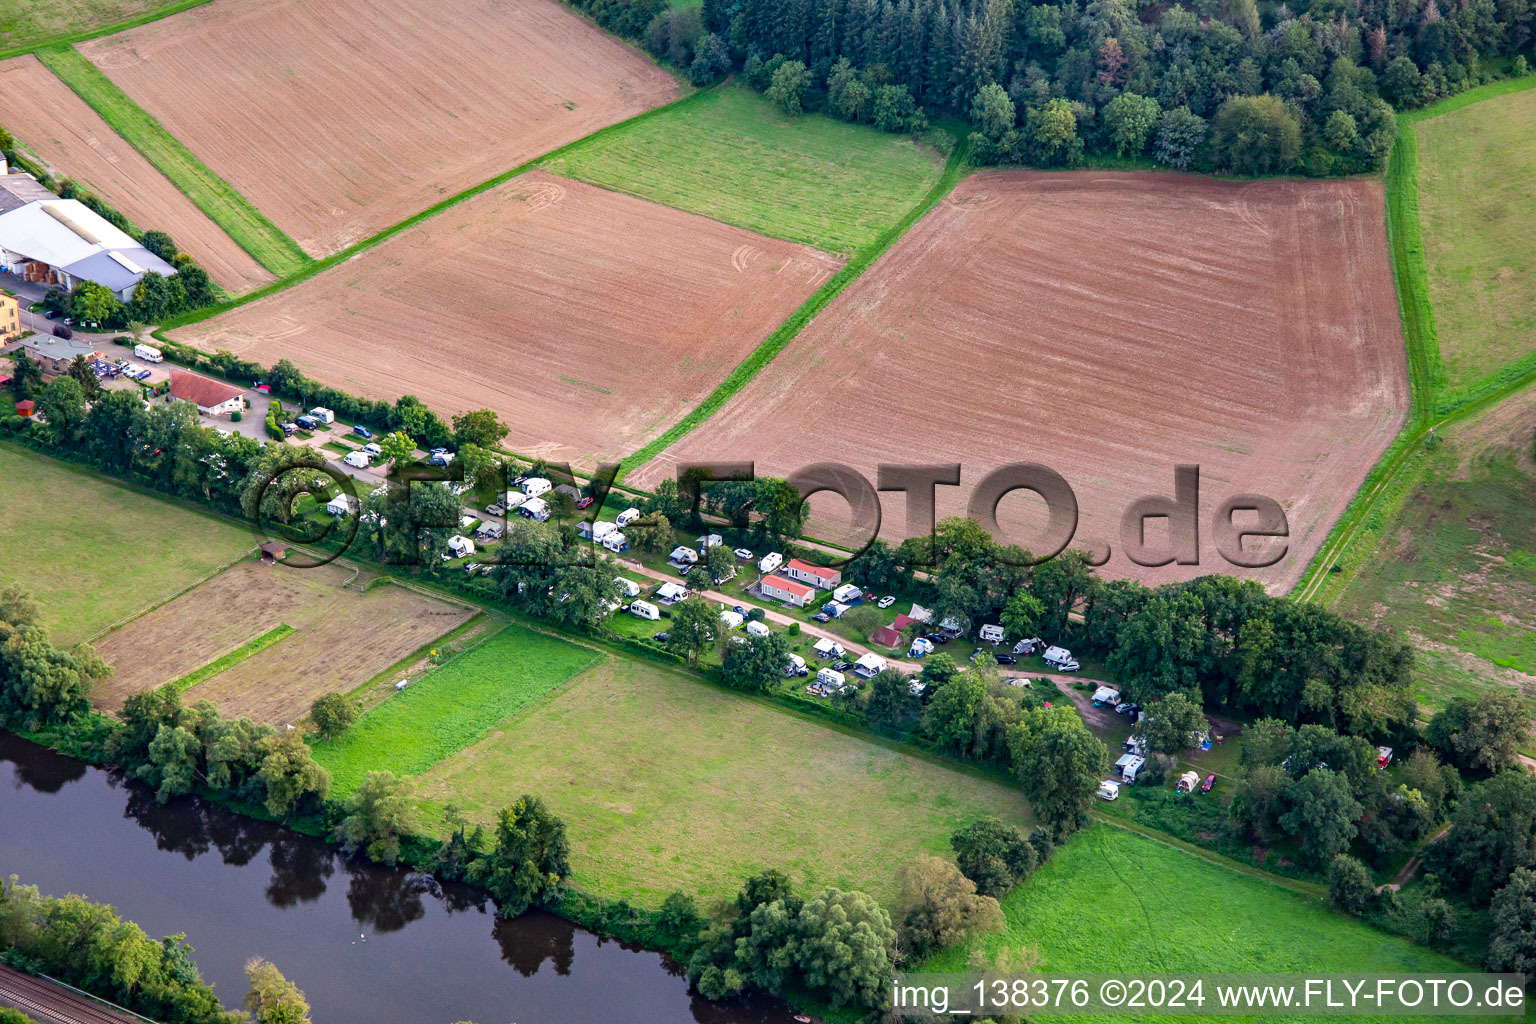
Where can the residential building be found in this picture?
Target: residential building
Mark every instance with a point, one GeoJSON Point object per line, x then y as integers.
{"type": "Point", "coordinates": [815, 575]}
{"type": "Point", "coordinates": [10, 319]}
{"type": "Point", "coordinates": [212, 397]}
{"type": "Point", "coordinates": [54, 355]}
{"type": "Point", "coordinates": [787, 590]}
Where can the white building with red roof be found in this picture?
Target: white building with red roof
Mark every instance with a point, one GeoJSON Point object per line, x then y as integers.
{"type": "Point", "coordinates": [212, 397]}
{"type": "Point", "coordinates": [815, 575]}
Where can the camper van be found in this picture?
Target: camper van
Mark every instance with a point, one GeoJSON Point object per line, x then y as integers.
{"type": "Point", "coordinates": [992, 633]}
{"type": "Point", "coordinates": [1109, 790]}
{"type": "Point", "coordinates": [644, 610]}
{"type": "Point", "coordinates": [322, 414]}
{"type": "Point", "coordinates": [148, 353]}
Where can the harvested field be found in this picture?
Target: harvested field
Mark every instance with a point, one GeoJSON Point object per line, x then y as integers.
{"type": "Point", "coordinates": [341, 639]}
{"type": "Point", "coordinates": [74, 142]}
{"type": "Point", "coordinates": [1110, 326]}
{"type": "Point", "coordinates": [339, 119]}
{"type": "Point", "coordinates": [591, 321]}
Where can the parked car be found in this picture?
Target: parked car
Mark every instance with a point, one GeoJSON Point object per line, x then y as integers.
{"type": "Point", "coordinates": [486, 571]}
{"type": "Point", "coordinates": [821, 617]}
{"type": "Point", "coordinates": [1069, 666]}
{"type": "Point", "coordinates": [264, 388]}
{"type": "Point", "coordinates": [307, 422]}
{"type": "Point", "coordinates": [886, 601]}
{"type": "Point", "coordinates": [496, 509]}
{"type": "Point", "coordinates": [1127, 708]}
{"type": "Point", "coordinates": [938, 638]}
{"type": "Point", "coordinates": [1210, 780]}
{"type": "Point", "coordinates": [357, 460]}
{"type": "Point", "coordinates": [52, 314]}
{"type": "Point", "coordinates": [743, 554]}
{"type": "Point", "coordinates": [842, 666]}
{"type": "Point", "coordinates": [663, 637]}
{"type": "Point", "coordinates": [739, 610]}
{"type": "Point", "coordinates": [584, 503]}
{"type": "Point", "coordinates": [471, 567]}
{"type": "Point", "coordinates": [373, 449]}
{"type": "Point", "coordinates": [362, 432]}
{"type": "Point", "coordinates": [289, 429]}
{"type": "Point", "coordinates": [1006, 659]}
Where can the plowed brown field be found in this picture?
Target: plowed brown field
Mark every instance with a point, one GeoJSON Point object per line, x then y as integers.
{"type": "Point", "coordinates": [591, 321]}
{"type": "Point", "coordinates": [56, 125]}
{"type": "Point", "coordinates": [337, 119]}
{"type": "Point", "coordinates": [1110, 326]}
{"type": "Point", "coordinates": [341, 639]}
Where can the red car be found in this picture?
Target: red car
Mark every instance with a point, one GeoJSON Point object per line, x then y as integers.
{"type": "Point", "coordinates": [584, 503]}
{"type": "Point", "coordinates": [1210, 780]}
{"type": "Point", "coordinates": [265, 389]}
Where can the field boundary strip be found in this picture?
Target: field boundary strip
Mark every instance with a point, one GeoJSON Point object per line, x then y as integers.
{"type": "Point", "coordinates": [210, 574]}
{"type": "Point", "coordinates": [771, 346]}
{"type": "Point", "coordinates": [1431, 407]}
{"type": "Point", "coordinates": [1310, 890]}
{"type": "Point", "coordinates": [230, 659]}
{"type": "Point", "coordinates": [246, 226]}
{"type": "Point", "coordinates": [70, 38]}
{"type": "Point", "coordinates": [317, 266]}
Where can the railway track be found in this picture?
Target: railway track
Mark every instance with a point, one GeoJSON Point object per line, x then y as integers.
{"type": "Point", "coordinates": [52, 1003]}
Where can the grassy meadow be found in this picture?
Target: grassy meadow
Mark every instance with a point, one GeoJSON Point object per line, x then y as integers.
{"type": "Point", "coordinates": [667, 784]}
{"type": "Point", "coordinates": [92, 551]}
{"type": "Point", "coordinates": [733, 156]}
{"type": "Point", "coordinates": [452, 706]}
{"type": "Point", "coordinates": [249, 228]}
{"type": "Point", "coordinates": [1454, 563]}
{"type": "Point", "coordinates": [1130, 904]}
{"type": "Point", "coordinates": [1476, 208]}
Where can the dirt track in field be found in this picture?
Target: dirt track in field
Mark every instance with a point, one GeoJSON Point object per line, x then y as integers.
{"type": "Point", "coordinates": [337, 119]}
{"type": "Point", "coordinates": [1109, 326]}
{"type": "Point", "coordinates": [341, 639]}
{"type": "Point", "coordinates": [74, 142]}
{"type": "Point", "coordinates": [591, 321]}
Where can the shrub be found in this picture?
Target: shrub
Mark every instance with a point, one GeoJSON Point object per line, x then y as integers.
{"type": "Point", "coordinates": [1349, 885]}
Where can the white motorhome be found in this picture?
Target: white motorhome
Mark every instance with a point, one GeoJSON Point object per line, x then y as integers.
{"type": "Point", "coordinates": [535, 486]}
{"type": "Point", "coordinates": [1108, 790]}
{"type": "Point", "coordinates": [148, 353]}
{"type": "Point", "coordinates": [1056, 656]}
{"type": "Point", "coordinates": [1132, 768]}
{"type": "Point", "coordinates": [626, 517]}
{"type": "Point", "coordinates": [323, 414]}
{"type": "Point", "coordinates": [644, 610]}
{"type": "Point", "coordinates": [847, 593]}
{"type": "Point", "coordinates": [992, 633]}
{"type": "Point", "coordinates": [831, 677]}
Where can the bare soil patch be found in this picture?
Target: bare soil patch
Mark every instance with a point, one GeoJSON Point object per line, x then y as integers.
{"type": "Point", "coordinates": [1110, 326]}
{"type": "Point", "coordinates": [337, 119]}
{"type": "Point", "coordinates": [69, 137]}
{"type": "Point", "coordinates": [591, 321]}
{"type": "Point", "coordinates": [341, 639]}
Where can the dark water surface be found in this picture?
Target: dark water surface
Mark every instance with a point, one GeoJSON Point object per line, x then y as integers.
{"type": "Point", "coordinates": [367, 944]}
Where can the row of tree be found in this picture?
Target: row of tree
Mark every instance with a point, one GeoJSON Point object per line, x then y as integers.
{"type": "Point", "coordinates": [1233, 85]}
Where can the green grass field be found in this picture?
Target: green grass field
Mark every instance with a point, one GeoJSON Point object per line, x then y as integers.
{"type": "Point", "coordinates": [1115, 902]}
{"type": "Point", "coordinates": [1453, 565]}
{"type": "Point", "coordinates": [1476, 208]}
{"type": "Point", "coordinates": [667, 784]}
{"type": "Point", "coordinates": [452, 706]}
{"type": "Point", "coordinates": [28, 23]}
{"type": "Point", "coordinates": [733, 156]}
{"type": "Point", "coordinates": [250, 229]}
{"type": "Point", "coordinates": [92, 551]}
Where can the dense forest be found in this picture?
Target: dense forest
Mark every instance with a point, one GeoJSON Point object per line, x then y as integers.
{"type": "Point", "coordinates": [1227, 85]}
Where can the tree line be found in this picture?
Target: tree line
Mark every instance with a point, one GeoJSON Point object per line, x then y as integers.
{"type": "Point", "coordinates": [1224, 85]}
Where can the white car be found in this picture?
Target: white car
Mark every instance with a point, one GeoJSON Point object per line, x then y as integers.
{"type": "Point", "coordinates": [885, 602]}
{"type": "Point", "coordinates": [743, 554]}
{"type": "Point", "coordinates": [372, 450]}
{"type": "Point", "coordinates": [357, 460]}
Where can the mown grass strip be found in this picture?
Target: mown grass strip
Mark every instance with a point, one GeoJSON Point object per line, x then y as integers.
{"type": "Point", "coordinates": [247, 226]}
{"type": "Point", "coordinates": [1431, 406]}
{"type": "Point", "coordinates": [453, 705]}
{"type": "Point", "coordinates": [70, 38]}
{"type": "Point", "coordinates": [319, 266]}
{"type": "Point", "coordinates": [233, 658]}
{"type": "Point", "coordinates": [787, 331]}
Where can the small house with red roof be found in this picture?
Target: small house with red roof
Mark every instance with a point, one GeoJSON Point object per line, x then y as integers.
{"type": "Point", "coordinates": [787, 590]}
{"type": "Point", "coordinates": [212, 397]}
{"type": "Point", "coordinates": [815, 575]}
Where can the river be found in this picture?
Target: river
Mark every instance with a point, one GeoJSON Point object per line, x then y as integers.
{"type": "Point", "coordinates": [366, 943]}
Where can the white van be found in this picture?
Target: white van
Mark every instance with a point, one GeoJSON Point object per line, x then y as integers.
{"type": "Point", "coordinates": [357, 460]}
{"type": "Point", "coordinates": [148, 353]}
{"type": "Point", "coordinates": [644, 610]}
